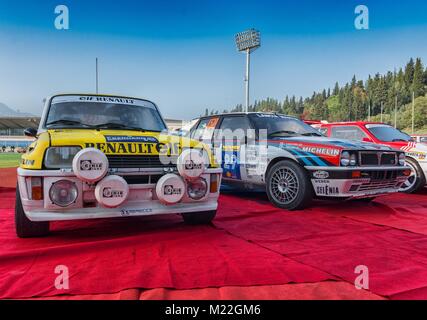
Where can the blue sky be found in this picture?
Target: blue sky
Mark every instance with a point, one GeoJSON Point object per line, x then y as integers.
{"type": "Point", "coordinates": [181, 54]}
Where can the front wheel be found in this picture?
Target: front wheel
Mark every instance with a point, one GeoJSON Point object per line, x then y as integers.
{"type": "Point", "coordinates": [416, 180]}
{"type": "Point", "coordinates": [25, 228]}
{"type": "Point", "coordinates": [288, 186]}
{"type": "Point", "coordinates": [194, 218]}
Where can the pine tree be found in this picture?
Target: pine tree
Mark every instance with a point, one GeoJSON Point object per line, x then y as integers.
{"type": "Point", "coordinates": [418, 79]}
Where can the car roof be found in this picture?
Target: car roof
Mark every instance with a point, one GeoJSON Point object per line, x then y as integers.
{"type": "Point", "coordinates": [349, 123]}
{"type": "Point", "coordinates": [95, 95]}
{"type": "Point", "coordinates": [245, 113]}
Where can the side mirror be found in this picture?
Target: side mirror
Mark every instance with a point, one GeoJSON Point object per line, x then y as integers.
{"type": "Point", "coordinates": [366, 139]}
{"type": "Point", "coordinates": [30, 132]}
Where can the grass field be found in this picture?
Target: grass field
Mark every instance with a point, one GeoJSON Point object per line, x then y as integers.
{"type": "Point", "coordinates": [9, 160]}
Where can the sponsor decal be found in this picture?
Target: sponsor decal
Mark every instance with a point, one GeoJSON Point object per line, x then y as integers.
{"type": "Point", "coordinates": [321, 174]}
{"type": "Point", "coordinates": [130, 139]}
{"type": "Point", "coordinates": [126, 212]}
{"type": "Point", "coordinates": [107, 99]}
{"type": "Point", "coordinates": [418, 155]}
{"type": "Point", "coordinates": [322, 150]}
{"type": "Point", "coordinates": [191, 165]}
{"type": "Point", "coordinates": [88, 165]}
{"type": "Point", "coordinates": [108, 192]}
{"type": "Point", "coordinates": [327, 190]}
{"type": "Point", "coordinates": [136, 148]}
{"type": "Point", "coordinates": [170, 190]}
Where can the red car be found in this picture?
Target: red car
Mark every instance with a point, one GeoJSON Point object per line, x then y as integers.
{"type": "Point", "coordinates": [380, 133]}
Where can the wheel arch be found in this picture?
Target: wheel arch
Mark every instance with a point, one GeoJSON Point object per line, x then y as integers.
{"type": "Point", "coordinates": [419, 167]}
{"type": "Point", "coordinates": [281, 158]}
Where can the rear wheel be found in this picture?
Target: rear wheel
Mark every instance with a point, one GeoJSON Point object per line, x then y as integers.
{"type": "Point", "coordinates": [194, 218]}
{"type": "Point", "coordinates": [416, 180]}
{"type": "Point", "coordinates": [25, 228]}
{"type": "Point", "coordinates": [288, 186]}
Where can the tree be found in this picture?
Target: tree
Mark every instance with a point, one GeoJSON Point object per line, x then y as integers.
{"type": "Point", "coordinates": [418, 80]}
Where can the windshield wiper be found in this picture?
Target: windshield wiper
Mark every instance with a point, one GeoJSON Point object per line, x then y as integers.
{"type": "Point", "coordinates": [66, 122]}
{"type": "Point", "coordinates": [114, 125]}
{"type": "Point", "coordinates": [311, 134]}
{"type": "Point", "coordinates": [281, 132]}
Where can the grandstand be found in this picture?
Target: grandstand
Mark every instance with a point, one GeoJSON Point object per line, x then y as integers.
{"type": "Point", "coordinates": [12, 138]}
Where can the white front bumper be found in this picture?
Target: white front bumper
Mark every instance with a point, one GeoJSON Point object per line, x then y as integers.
{"type": "Point", "coordinates": [142, 200]}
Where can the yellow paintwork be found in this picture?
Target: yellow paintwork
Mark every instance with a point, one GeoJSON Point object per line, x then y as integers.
{"type": "Point", "coordinates": [85, 138]}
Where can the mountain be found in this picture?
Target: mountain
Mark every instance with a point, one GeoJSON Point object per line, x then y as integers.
{"type": "Point", "coordinates": [5, 111]}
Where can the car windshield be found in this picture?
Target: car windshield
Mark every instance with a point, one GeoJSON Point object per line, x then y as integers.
{"type": "Point", "coordinates": [387, 133]}
{"type": "Point", "coordinates": [280, 125]}
{"type": "Point", "coordinates": [103, 113]}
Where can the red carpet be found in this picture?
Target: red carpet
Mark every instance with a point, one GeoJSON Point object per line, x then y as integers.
{"type": "Point", "coordinates": [151, 252]}
{"type": "Point", "coordinates": [320, 237]}
{"type": "Point", "coordinates": [253, 250]}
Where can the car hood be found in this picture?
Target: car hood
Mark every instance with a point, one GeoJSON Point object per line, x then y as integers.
{"type": "Point", "coordinates": [123, 142]}
{"type": "Point", "coordinates": [333, 143]}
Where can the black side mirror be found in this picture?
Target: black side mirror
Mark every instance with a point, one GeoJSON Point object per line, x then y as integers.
{"type": "Point", "coordinates": [30, 132]}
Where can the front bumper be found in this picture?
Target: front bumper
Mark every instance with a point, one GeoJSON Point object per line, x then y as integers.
{"type": "Point", "coordinates": [142, 199]}
{"type": "Point", "coordinates": [356, 182]}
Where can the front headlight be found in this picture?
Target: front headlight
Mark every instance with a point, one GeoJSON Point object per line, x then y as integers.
{"type": "Point", "coordinates": [197, 189]}
{"type": "Point", "coordinates": [345, 158]}
{"type": "Point", "coordinates": [402, 159]}
{"type": "Point", "coordinates": [63, 193]}
{"type": "Point", "coordinates": [60, 157]}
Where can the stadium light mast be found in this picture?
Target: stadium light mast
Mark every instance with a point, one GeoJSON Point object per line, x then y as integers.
{"type": "Point", "coordinates": [248, 41]}
{"type": "Point", "coordinates": [96, 75]}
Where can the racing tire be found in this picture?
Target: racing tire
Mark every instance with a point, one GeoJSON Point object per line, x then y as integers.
{"type": "Point", "coordinates": [25, 228]}
{"type": "Point", "coordinates": [288, 186]}
{"type": "Point", "coordinates": [195, 218]}
{"type": "Point", "coordinates": [416, 180]}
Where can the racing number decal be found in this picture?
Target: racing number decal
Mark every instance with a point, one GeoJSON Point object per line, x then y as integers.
{"type": "Point", "coordinates": [212, 123]}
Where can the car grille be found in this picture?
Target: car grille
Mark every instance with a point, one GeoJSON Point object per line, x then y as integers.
{"type": "Point", "coordinates": [145, 179]}
{"type": "Point", "coordinates": [139, 162]}
{"type": "Point", "coordinates": [377, 185]}
{"type": "Point", "coordinates": [383, 175]}
{"type": "Point", "coordinates": [378, 158]}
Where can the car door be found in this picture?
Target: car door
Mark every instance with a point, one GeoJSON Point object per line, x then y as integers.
{"type": "Point", "coordinates": [230, 141]}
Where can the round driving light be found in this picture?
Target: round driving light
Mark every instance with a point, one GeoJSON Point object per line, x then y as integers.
{"type": "Point", "coordinates": [170, 189]}
{"type": "Point", "coordinates": [353, 160]}
{"type": "Point", "coordinates": [90, 165]}
{"type": "Point", "coordinates": [402, 159]}
{"type": "Point", "coordinates": [197, 189]}
{"type": "Point", "coordinates": [63, 193]}
{"type": "Point", "coordinates": [191, 164]}
{"type": "Point", "coordinates": [112, 191]}
{"type": "Point", "coordinates": [345, 158]}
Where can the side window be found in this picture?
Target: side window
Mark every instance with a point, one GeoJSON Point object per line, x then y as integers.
{"type": "Point", "coordinates": [348, 132]}
{"type": "Point", "coordinates": [237, 125]}
{"type": "Point", "coordinates": [205, 129]}
{"type": "Point", "coordinates": [234, 123]}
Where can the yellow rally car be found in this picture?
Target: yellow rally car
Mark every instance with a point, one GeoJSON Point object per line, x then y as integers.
{"type": "Point", "coordinates": [99, 156]}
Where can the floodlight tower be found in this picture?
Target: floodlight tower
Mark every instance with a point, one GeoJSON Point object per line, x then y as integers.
{"type": "Point", "coordinates": [248, 41]}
